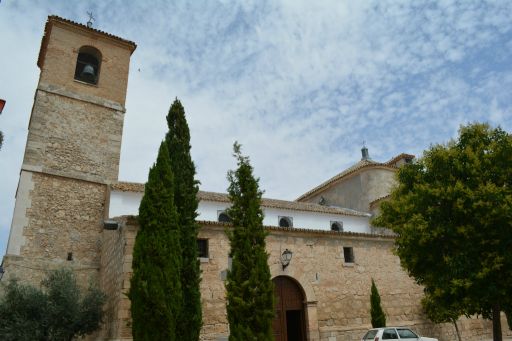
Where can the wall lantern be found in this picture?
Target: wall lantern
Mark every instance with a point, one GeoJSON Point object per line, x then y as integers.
{"type": "Point", "coordinates": [286, 257]}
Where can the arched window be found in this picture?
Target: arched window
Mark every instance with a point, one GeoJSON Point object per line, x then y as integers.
{"type": "Point", "coordinates": [337, 226]}
{"type": "Point", "coordinates": [285, 222]}
{"type": "Point", "coordinates": [223, 217]}
{"type": "Point", "coordinates": [88, 65]}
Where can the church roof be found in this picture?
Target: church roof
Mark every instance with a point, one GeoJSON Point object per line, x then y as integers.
{"type": "Point", "coordinates": [363, 164]}
{"type": "Point", "coordinates": [265, 202]}
{"type": "Point", "coordinates": [56, 19]}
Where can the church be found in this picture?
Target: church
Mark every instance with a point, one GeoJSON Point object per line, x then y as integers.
{"type": "Point", "coordinates": [71, 210]}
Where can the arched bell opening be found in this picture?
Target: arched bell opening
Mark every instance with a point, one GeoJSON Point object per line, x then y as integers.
{"type": "Point", "coordinates": [290, 318]}
{"type": "Point", "coordinates": [88, 65]}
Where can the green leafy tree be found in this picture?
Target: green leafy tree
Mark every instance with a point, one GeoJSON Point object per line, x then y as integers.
{"type": "Point", "coordinates": [376, 312]}
{"type": "Point", "coordinates": [250, 296]}
{"type": "Point", "coordinates": [58, 311]}
{"type": "Point", "coordinates": [438, 310]}
{"type": "Point", "coordinates": [452, 213]}
{"type": "Point", "coordinates": [185, 199]}
{"type": "Point", "coordinates": [155, 291]}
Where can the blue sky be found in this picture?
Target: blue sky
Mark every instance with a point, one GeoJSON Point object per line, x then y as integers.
{"type": "Point", "coordinates": [299, 83]}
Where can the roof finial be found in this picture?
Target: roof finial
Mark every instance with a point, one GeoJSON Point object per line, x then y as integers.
{"type": "Point", "coordinates": [364, 152]}
{"type": "Point", "coordinates": [91, 18]}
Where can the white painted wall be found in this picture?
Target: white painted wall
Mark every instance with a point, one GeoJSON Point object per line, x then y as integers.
{"type": "Point", "coordinates": [127, 203]}
{"type": "Point", "coordinates": [124, 203]}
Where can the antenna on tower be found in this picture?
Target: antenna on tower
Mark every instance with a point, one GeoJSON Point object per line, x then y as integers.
{"type": "Point", "coordinates": [91, 18]}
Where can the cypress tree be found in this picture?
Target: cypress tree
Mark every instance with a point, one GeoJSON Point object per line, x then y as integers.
{"type": "Point", "coordinates": [377, 314]}
{"type": "Point", "coordinates": [249, 287]}
{"type": "Point", "coordinates": [155, 291]}
{"type": "Point", "coordinates": [185, 199]}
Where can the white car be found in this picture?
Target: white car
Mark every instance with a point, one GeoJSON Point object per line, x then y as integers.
{"type": "Point", "coordinates": [394, 333]}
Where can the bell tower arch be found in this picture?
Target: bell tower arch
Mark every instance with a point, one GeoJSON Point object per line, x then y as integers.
{"type": "Point", "coordinates": [72, 151]}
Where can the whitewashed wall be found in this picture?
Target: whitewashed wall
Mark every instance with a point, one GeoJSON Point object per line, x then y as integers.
{"type": "Point", "coordinates": [127, 203]}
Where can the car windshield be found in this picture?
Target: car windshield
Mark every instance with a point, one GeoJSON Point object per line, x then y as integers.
{"type": "Point", "coordinates": [370, 335]}
{"type": "Point", "coordinates": [406, 333]}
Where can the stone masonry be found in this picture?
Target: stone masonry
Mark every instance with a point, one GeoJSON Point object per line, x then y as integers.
{"type": "Point", "coordinates": [72, 155]}
{"type": "Point", "coordinates": [337, 294]}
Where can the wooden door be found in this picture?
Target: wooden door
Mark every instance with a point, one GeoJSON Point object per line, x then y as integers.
{"type": "Point", "coordinates": [290, 319]}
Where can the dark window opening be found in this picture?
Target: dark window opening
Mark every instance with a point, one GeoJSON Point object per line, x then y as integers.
{"type": "Point", "coordinates": [88, 65]}
{"type": "Point", "coordinates": [285, 222]}
{"type": "Point", "coordinates": [337, 226]}
{"type": "Point", "coordinates": [348, 254]}
{"type": "Point", "coordinates": [223, 217]}
{"type": "Point", "coordinates": [389, 334]}
{"type": "Point", "coordinates": [202, 248]}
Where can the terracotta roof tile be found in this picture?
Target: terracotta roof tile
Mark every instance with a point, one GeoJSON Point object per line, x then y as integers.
{"type": "Point", "coordinates": [56, 19]}
{"type": "Point", "coordinates": [265, 202]}
{"type": "Point", "coordinates": [386, 197]}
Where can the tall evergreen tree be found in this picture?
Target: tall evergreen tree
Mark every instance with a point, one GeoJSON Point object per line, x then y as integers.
{"type": "Point", "coordinates": [155, 290]}
{"type": "Point", "coordinates": [185, 199]}
{"type": "Point", "coordinates": [250, 293]}
{"type": "Point", "coordinates": [376, 312]}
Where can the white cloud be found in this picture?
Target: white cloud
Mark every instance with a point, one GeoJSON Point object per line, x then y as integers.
{"type": "Point", "coordinates": [300, 84]}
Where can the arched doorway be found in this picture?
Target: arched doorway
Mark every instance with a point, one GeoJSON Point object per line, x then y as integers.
{"type": "Point", "coordinates": [290, 319]}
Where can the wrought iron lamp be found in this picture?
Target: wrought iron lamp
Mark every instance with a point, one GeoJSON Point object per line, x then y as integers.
{"type": "Point", "coordinates": [286, 257]}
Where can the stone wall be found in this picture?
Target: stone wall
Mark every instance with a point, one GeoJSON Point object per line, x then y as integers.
{"type": "Point", "coordinates": [60, 55]}
{"type": "Point", "coordinates": [337, 293]}
{"type": "Point", "coordinates": [73, 138]}
{"type": "Point", "coordinates": [63, 216]}
{"type": "Point", "coordinates": [116, 265]}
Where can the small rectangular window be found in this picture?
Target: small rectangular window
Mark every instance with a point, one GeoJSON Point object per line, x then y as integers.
{"type": "Point", "coordinates": [202, 248]}
{"type": "Point", "coordinates": [348, 254]}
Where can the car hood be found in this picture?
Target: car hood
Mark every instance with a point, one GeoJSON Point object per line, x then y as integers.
{"type": "Point", "coordinates": [423, 338]}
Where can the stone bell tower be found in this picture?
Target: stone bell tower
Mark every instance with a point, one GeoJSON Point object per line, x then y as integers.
{"type": "Point", "coordinates": [72, 151]}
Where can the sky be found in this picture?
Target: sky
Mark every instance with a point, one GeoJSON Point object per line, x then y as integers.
{"type": "Point", "coordinates": [300, 84]}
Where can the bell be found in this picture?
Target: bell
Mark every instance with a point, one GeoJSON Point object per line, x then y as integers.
{"type": "Point", "coordinates": [88, 73]}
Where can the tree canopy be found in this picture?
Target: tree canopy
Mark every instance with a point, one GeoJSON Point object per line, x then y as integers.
{"type": "Point", "coordinates": [58, 311]}
{"type": "Point", "coordinates": [185, 200]}
{"type": "Point", "coordinates": [452, 213]}
{"type": "Point", "coordinates": [250, 292]}
{"type": "Point", "coordinates": [155, 291]}
{"type": "Point", "coordinates": [378, 318]}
